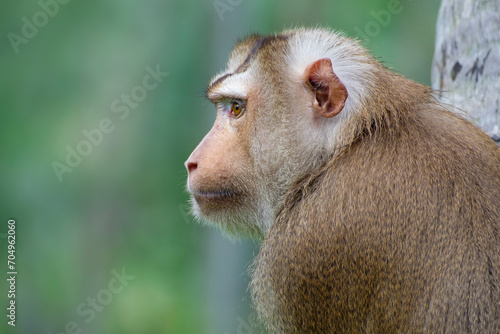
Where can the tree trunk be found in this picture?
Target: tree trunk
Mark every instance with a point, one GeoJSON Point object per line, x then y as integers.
{"type": "Point", "coordinates": [466, 66]}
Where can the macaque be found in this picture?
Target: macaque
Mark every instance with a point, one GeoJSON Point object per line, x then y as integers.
{"type": "Point", "coordinates": [378, 208]}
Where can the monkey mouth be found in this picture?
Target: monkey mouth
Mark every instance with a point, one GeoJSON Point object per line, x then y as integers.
{"type": "Point", "coordinates": [217, 195]}
{"type": "Point", "coordinates": [211, 201]}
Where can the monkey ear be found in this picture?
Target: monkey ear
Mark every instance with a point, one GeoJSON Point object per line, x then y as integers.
{"type": "Point", "coordinates": [330, 92]}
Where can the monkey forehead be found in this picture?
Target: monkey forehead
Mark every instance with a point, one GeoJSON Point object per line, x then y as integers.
{"type": "Point", "coordinates": [243, 53]}
{"type": "Point", "coordinates": [245, 58]}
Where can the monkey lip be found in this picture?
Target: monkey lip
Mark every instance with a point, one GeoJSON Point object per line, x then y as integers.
{"type": "Point", "coordinates": [217, 195]}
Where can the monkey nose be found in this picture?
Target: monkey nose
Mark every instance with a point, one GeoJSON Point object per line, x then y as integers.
{"type": "Point", "coordinates": [190, 166]}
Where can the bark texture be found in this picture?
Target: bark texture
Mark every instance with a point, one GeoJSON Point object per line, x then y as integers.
{"type": "Point", "coordinates": [466, 66]}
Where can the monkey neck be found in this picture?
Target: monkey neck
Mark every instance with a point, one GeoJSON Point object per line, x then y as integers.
{"type": "Point", "coordinates": [393, 102]}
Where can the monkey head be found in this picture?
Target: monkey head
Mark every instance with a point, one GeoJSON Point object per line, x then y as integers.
{"type": "Point", "coordinates": [280, 103]}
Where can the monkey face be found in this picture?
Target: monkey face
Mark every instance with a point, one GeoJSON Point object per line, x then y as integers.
{"type": "Point", "coordinates": [276, 116]}
{"type": "Point", "coordinates": [221, 181]}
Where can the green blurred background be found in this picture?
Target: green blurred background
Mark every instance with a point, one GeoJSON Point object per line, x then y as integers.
{"type": "Point", "coordinates": [123, 206]}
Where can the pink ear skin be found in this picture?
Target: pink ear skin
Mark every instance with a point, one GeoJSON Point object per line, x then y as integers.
{"type": "Point", "coordinates": [330, 92]}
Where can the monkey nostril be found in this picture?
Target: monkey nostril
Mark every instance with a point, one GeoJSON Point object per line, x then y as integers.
{"type": "Point", "coordinates": [191, 166]}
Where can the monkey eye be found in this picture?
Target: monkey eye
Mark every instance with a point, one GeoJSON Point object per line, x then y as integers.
{"type": "Point", "coordinates": [233, 107]}
{"type": "Point", "coordinates": [237, 108]}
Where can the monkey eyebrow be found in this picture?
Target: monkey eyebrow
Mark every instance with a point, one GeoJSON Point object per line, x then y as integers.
{"type": "Point", "coordinates": [215, 83]}
{"type": "Point", "coordinates": [221, 97]}
{"type": "Point", "coordinates": [230, 91]}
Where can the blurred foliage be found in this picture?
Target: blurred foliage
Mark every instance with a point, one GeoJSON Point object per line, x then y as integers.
{"type": "Point", "coordinates": [124, 204]}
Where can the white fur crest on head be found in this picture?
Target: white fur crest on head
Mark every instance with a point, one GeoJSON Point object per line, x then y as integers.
{"type": "Point", "coordinates": [350, 62]}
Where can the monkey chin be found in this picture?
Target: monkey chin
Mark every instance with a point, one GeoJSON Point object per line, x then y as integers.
{"type": "Point", "coordinates": [229, 211]}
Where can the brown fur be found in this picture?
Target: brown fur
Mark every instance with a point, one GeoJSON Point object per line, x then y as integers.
{"type": "Point", "coordinates": [379, 215]}
{"type": "Point", "coordinates": [399, 232]}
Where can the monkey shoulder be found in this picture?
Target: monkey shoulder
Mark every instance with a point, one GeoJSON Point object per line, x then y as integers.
{"type": "Point", "coordinates": [409, 219]}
